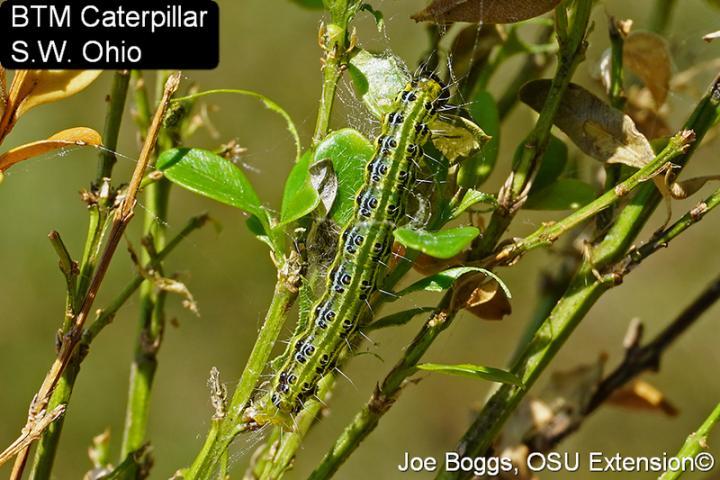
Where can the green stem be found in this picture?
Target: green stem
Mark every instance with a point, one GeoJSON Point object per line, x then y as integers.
{"type": "Point", "coordinates": [99, 214]}
{"type": "Point", "coordinates": [152, 302]}
{"type": "Point", "coordinates": [695, 443]}
{"type": "Point", "coordinates": [217, 441]}
{"type": "Point", "coordinates": [660, 15]}
{"type": "Point", "coordinates": [152, 325]}
{"type": "Point", "coordinates": [582, 294]}
{"type": "Point", "coordinates": [528, 156]}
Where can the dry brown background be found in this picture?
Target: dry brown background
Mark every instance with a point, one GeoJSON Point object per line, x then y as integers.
{"type": "Point", "coordinates": [271, 47]}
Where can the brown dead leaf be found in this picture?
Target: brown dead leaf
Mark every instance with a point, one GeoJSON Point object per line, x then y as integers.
{"type": "Point", "coordinates": [427, 265]}
{"type": "Point", "coordinates": [642, 396]}
{"type": "Point", "coordinates": [641, 108]}
{"type": "Point", "coordinates": [685, 188]}
{"type": "Point", "coordinates": [599, 130]}
{"type": "Point", "coordinates": [73, 137]}
{"type": "Point", "coordinates": [485, 11]}
{"type": "Point", "coordinates": [648, 56]}
{"type": "Point", "coordinates": [489, 301]}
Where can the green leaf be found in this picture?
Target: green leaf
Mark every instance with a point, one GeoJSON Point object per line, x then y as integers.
{"type": "Point", "coordinates": [349, 152]}
{"type": "Point", "coordinates": [300, 197]}
{"type": "Point", "coordinates": [471, 198]}
{"type": "Point", "coordinates": [378, 77]}
{"type": "Point", "coordinates": [257, 228]}
{"type": "Point", "coordinates": [444, 280]}
{"type": "Point", "coordinates": [311, 4]}
{"type": "Point", "coordinates": [211, 175]}
{"type": "Point", "coordinates": [473, 371]}
{"type": "Point", "coordinates": [397, 319]}
{"type": "Point", "coordinates": [476, 169]}
{"type": "Point", "coordinates": [563, 194]}
{"type": "Point", "coordinates": [552, 165]}
{"type": "Point", "coordinates": [440, 244]}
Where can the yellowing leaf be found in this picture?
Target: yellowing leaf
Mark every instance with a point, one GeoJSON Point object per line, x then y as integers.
{"type": "Point", "coordinates": [460, 138]}
{"type": "Point", "coordinates": [603, 132]}
{"type": "Point", "coordinates": [647, 55]}
{"type": "Point", "coordinates": [46, 86]}
{"type": "Point", "coordinates": [31, 88]}
{"type": "Point", "coordinates": [79, 136]}
{"type": "Point", "coordinates": [485, 11]}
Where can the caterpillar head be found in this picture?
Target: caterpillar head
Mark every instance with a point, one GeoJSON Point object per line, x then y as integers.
{"type": "Point", "coordinates": [431, 84]}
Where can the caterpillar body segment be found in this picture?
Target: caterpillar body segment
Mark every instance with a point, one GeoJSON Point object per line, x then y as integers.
{"type": "Point", "coordinates": [362, 252]}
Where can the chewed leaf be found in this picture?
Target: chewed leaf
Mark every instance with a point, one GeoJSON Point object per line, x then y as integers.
{"type": "Point", "coordinates": [324, 181]}
{"type": "Point", "coordinates": [485, 11]}
{"type": "Point", "coordinates": [73, 137]}
{"type": "Point", "coordinates": [378, 77]}
{"type": "Point", "coordinates": [211, 175]}
{"type": "Point", "coordinates": [31, 88]}
{"type": "Point", "coordinates": [441, 244]}
{"type": "Point", "coordinates": [473, 371]}
{"type": "Point", "coordinates": [563, 194]}
{"type": "Point", "coordinates": [458, 138]}
{"type": "Point", "coordinates": [471, 198]}
{"type": "Point", "coordinates": [349, 152]}
{"type": "Point", "coordinates": [648, 56]}
{"type": "Point", "coordinates": [300, 196]}
{"type": "Point", "coordinates": [444, 280]}
{"type": "Point", "coordinates": [599, 130]}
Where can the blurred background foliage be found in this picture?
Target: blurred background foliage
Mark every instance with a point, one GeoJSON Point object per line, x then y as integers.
{"type": "Point", "coordinates": [271, 47]}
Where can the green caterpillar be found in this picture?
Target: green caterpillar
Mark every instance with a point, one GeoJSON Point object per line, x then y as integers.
{"type": "Point", "coordinates": [362, 251]}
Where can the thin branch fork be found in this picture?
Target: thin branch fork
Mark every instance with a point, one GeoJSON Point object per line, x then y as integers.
{"type": "Point", "coordinates": [123, 215]}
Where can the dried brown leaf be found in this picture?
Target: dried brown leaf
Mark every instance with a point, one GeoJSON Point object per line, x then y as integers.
{"type": "Point", "coordinates": [641, 108]}
{"type": "Point", "coordinates": [685, 188]}
{"type": "Point", "coordinates": [485, 11]}
{"type": "Point", "coordinates": [489, 301]}
{"type": "Point", "coordinates": [73, 137]}
{"type": "Point", "coordinates": [642, 396]}
{"type": "Point", "coordinates": [648, 56]}
{"type": "Point", "coordinates": [599, 130]}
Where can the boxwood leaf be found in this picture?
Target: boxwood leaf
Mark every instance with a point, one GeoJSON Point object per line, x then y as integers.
{"type": "Point", "coordinates": [210, 175]}
{"type": "Point", "coordinates": [440, 244]}
{"type": "Point", "coordinates": [300, 197]}
{"type": "Point", "coordinates": [473, 371]}
{"type": "Point", "coordinates": [378, 77]}
{"type": "Point", "coordinates": [349, 152]}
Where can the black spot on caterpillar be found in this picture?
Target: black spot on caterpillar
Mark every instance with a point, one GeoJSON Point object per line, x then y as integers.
{"type": "Point", "coordinates": [362, 251]}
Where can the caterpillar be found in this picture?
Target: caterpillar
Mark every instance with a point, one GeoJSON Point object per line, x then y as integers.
{"type": "Point", "coordinates": [363, 249]}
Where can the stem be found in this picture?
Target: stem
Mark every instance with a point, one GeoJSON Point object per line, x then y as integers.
{"type": "Point", "coordinates": [218, 441]}
{"type": "Point", "coordinates": [334, 40]}
{"type": "Point", "coordinates": [70, 341]}
{"type": "Point", "coordinates": [661, 14]}
{"type": "Point", "coordinates": [113, 119]}
{"type": "Point", "coordinates": [527, 159]}
{"type": "Point", "coordinates": [582, 294]}
{"type": "Point", "coordinates": [152, 324]}
{"type": "Point", "coordinates": [47, 447]}
{"type": "Point", "coordinates": [695, 443]}
{"type": "Point", "coordinates": [152, 302]}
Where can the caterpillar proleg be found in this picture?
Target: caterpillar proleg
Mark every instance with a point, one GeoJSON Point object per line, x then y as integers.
{"type": "Point", "coordinates": [362, 251]}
